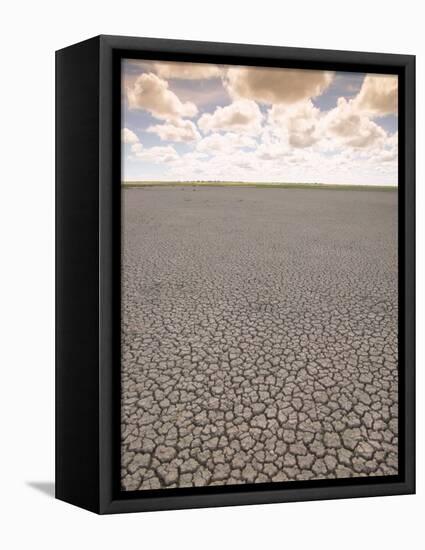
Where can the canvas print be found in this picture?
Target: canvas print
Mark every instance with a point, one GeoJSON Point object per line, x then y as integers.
{"type": "Point", "coordinates": [259, 275]}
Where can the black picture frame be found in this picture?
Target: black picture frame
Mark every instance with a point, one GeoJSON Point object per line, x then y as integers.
{"type": "Point", "coordinates": [88, 236]}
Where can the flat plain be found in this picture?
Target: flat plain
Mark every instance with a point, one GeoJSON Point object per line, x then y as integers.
{"type": "Point", "coordinates": [259, 335]}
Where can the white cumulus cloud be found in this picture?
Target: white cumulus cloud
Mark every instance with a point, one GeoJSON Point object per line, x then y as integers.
{"type": "Point", "coordinates": [240, 116]}
{"type": "Point", "coordinates": [187, 71]}
{"type": "Point", "coordinates": [128, 136]}
{"type": "Point", "coordinates": [378, 95]}
{"type": "Point", "coordinates": [351, 127]}
{"type": "Point", "coordinates": [224, 143]}
{"type": "Point", "coordinates": [178, 130]}
{"type": "Point", "coordinates": [156, 155]}
{"type": "Point", "coordinates": [152, 93]}
{"type": "Point", "coordinates": [299, 123]}
{"type": "Point", "coordinates": [272, 85]}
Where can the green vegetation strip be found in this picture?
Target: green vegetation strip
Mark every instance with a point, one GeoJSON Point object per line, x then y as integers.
{"type": "Point", "coordinates": [256, 185]}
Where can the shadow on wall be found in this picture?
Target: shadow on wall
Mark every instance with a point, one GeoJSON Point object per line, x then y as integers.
{"type": "Point", "coordinates": [46, 487]}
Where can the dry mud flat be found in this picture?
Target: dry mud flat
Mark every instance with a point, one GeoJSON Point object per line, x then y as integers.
{"type": "Point", "coordinates": [259, 335]}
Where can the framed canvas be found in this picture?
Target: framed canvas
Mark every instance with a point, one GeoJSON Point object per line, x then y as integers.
{"type": "Point", "coordinates": [235, 274]}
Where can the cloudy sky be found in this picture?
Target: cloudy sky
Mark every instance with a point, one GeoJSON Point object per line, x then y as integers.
{"type": "Point", "coordinates": [187, 121]}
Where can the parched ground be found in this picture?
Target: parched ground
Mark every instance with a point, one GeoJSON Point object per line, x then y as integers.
{"type": "Point", "coordinates": [259, 335]}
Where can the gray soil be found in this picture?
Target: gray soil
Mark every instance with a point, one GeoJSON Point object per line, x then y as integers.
{"type": "Point", "coordinates": [259, 335]}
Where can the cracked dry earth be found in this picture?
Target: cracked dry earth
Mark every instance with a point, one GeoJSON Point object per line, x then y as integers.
{"type": "Point", "coordinates": [259, 336]}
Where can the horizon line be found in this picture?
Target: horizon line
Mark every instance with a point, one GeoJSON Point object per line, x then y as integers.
{"type": "Point", "coordinates": [146, 183]}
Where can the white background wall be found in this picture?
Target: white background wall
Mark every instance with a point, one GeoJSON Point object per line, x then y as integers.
{"type": "Point", "coordinates": [29, 33]}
